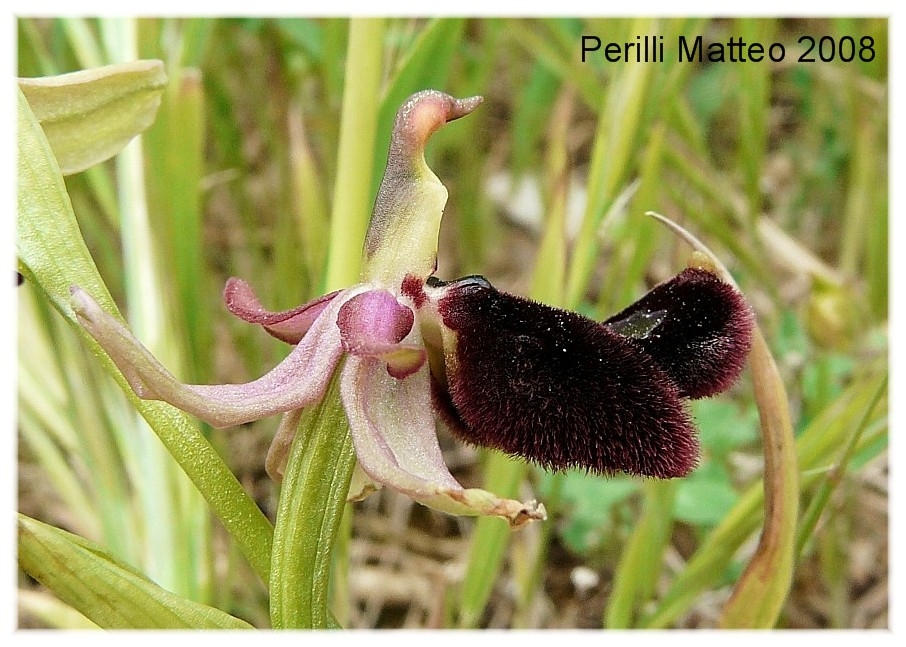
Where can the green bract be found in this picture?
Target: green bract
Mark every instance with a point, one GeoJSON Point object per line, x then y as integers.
{"type": "Point", "coordinates": [90, 115]}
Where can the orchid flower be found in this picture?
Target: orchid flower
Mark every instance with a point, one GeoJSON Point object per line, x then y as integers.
{"type": "Point", "coordinates": [500, 371]}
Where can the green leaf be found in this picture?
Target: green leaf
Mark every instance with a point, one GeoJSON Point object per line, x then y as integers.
{"type": "Point", "coordinates": [108, 592]}
{"type": "Point", "coordinates": [90, 115]}
{"type": "Point", "coordinates": [723, 426]}
{"type": "Point", "coordinates": [53, 256]}
{"type": "Point", "coordinates": [706, 497]}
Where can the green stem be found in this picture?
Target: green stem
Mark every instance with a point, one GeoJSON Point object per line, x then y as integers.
{"type": "Point", "coordinates": [322, 458]}
{"type": "Point", "coordinates": [308, 516]}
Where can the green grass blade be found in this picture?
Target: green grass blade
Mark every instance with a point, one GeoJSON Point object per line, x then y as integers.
{"type": "Point", "coordinates": [754, 99]}
{"type": "Point", "coordinates": [615, 141]}
{"type": "Point", "coordinates": [84, 42]}
{"type": "Point", "coordinates": [834, 476]}
{"type": "Point", "coordinates": [106, 591]}
{"type": "Point", "coordinates": [502, 476]}
{"type": "Point", "coordinates": [352, 192]}
{"type": "Point", "coordinates": [309, 198]}
{"type": "Point", "coordinates": [565, 64]}
{"type": "Point", "coordinates": [621, 285]}
{"type": "Point", "coordinates": [174, 154]}
{"type": "Point", "coordinates": [642, 557]}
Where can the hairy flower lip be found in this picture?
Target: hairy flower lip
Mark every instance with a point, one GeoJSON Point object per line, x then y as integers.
{"type": "Point", "coordinates": [564, 391]}
{"type": "Point", "coordinates": [711, 319]}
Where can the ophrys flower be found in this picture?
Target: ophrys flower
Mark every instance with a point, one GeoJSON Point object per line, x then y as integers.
{"type": "Point", "coordinates": [501, 371]}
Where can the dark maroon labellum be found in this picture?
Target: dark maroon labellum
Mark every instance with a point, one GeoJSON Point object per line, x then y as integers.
{"type": "Point", "coordinates": [560, 389]}
{"type": "Point", "coordinates": [565, 391]}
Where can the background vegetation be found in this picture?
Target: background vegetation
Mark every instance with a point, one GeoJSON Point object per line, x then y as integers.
{"type": "Point", "coordinates": [781, 168]}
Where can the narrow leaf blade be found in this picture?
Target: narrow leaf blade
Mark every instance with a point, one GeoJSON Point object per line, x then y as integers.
{"type": "Point", "coordinates": [106, 591]}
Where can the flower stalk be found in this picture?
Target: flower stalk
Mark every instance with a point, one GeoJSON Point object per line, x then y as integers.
{"type": "Point", "coordinates": [311, 505]}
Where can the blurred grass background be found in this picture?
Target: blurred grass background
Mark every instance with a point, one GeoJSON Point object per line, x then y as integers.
{"type": "Point", "coordinates": [781, 168]}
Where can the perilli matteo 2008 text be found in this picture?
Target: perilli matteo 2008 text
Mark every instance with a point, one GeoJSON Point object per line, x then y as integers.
{"type": "Point", "coordinates": [650, 49]}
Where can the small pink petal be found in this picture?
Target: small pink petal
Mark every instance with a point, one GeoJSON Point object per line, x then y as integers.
{"type": "Point", "coordinates": [372, 324]}
{"type": "Point", "coordinates": [373, 319]}
{"type": "Point", "coordinates": [289, 325]}
{"type": "Point", "coordinates": [297, 381]}
{"type": "Point", "coordinates": [393, 432]}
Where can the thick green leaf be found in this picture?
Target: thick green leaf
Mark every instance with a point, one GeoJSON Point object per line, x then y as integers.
{"type": "Point", "coordinates": [53, 255]}
{"type": "Point", "coordinates": [108, 592]}
{"type": "Point", "coordinates": [90, 115]}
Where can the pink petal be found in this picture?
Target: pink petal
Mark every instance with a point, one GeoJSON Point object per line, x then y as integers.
{"type": "Point", "coordinates": [393, 432]}
{"type": "Point", "coordinates": [297, 381]}
{"type": "Point", "coordinates": [289, 326]}
{"type": "Point", "coordinates": [372, 324]}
